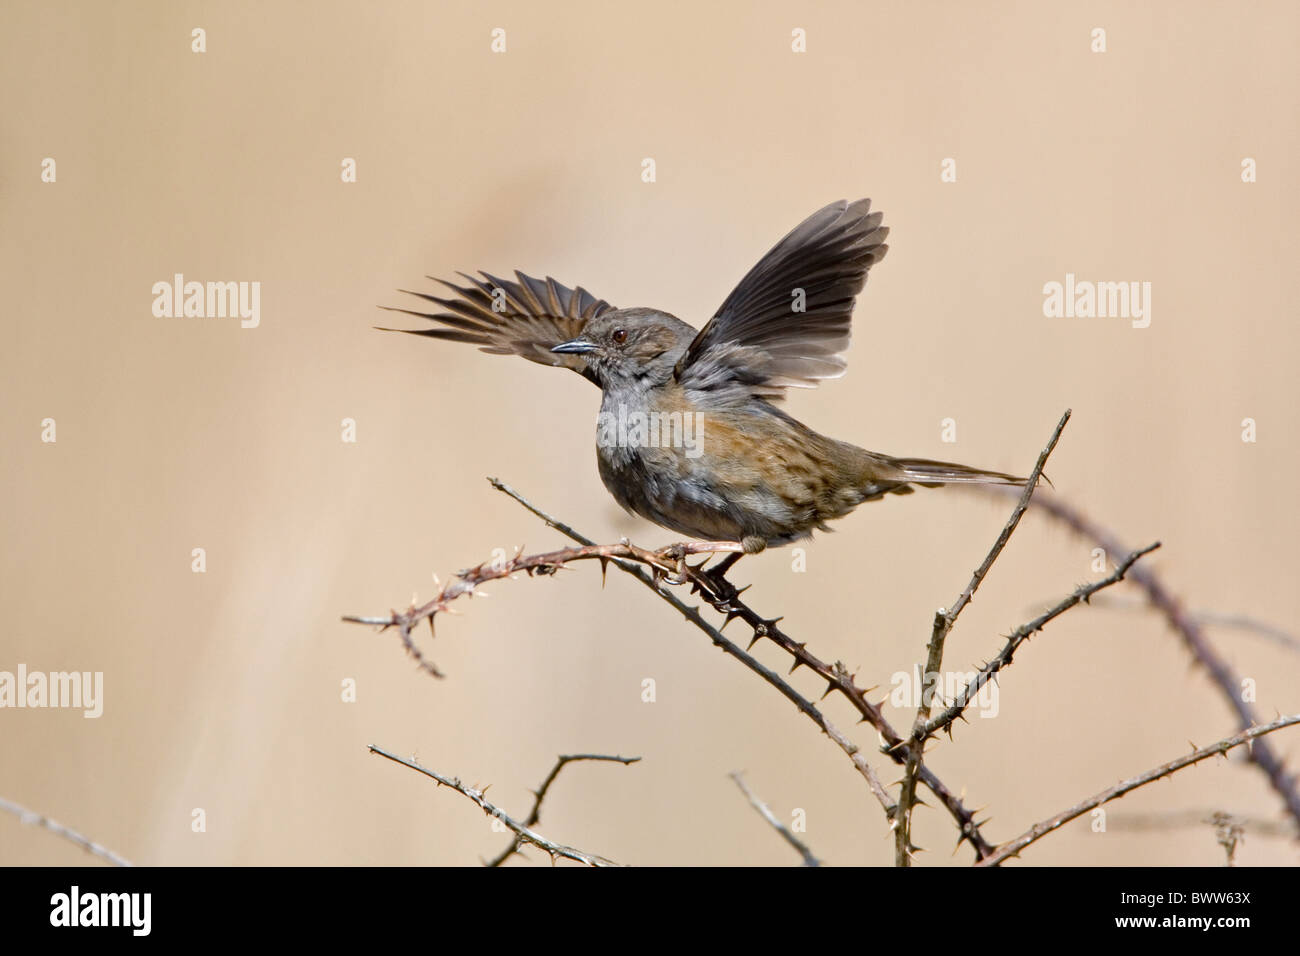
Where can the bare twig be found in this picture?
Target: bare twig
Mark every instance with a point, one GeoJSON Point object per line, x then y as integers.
{"type": "Point", "coordinates": [1038, 830]}
{"type": "Point", "coordinates": [1228, 621]}
{"type": "Point", "coordinates": [1243, 622]}
{"type": "Point", "coordinates": [943, 624]}
{"type": "Point", "coordinates": [754, 801]}
{"type": "Point", "coordinates": [535, 816]}
{"type": "Point", "coordinates": [556, 850]}
{"type": "Point", "coordinates": [1193, 636]}
{"type": "Point", "coordinates": [32, 818]}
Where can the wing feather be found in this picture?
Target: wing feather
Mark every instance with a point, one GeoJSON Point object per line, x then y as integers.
{"type": "Point", "coordinates": [527, 317]}
{"type": "Point", "coordinates": [758, 342]}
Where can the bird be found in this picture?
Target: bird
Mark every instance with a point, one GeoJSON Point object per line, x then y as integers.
{"type": "Point", "coordinates": [735, 466]}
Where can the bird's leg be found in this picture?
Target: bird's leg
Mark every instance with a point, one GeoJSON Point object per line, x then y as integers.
{"type": "Point", "coordinates": [723, 566]}
{"type": "Point", "coordinates": [724, 591]}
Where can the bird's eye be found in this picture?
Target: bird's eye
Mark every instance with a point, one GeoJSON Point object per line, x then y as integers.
{"type": "Point", "coordinates": [620, 336]}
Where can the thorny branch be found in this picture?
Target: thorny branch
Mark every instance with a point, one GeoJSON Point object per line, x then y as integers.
{"type": "Point", "coordinates": [535, 816]}
{"type": "Point", "coordinates": [1191, 632]}
{"type": "Point", "coordinates": [665, 561]}
{"type": "Point", "coordinates": [943, 624]}
{"type": "Point", "coordinates": [726, 599]}
{"type": "Point", "coordinates": [521, 830]}
{"type": "Point", "coordinates": [670, 564]}
{"type": "Point", "coordinates": [1038, 830]}
{"type": "Point", "coordinates": [692, 614]}
{"type": "Point", "coordinates": [766, 813]}
{"type": "Point", "coordinates": [1017, 637]}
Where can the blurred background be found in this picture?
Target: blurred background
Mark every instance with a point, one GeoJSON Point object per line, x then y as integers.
{"type": "Point", "coordinates": [223, 690]}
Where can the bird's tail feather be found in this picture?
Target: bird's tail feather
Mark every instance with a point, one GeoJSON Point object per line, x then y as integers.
{"type": "Point", "coordinates": [931, 474]}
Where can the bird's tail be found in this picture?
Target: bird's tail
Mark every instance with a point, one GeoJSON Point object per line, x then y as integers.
{"type": "Point", "coordinates": [931, 474]}
{"type": "Point", "coordinates": [883, 475]}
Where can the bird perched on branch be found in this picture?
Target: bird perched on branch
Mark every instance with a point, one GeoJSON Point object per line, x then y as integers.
{"type": "Point", "coordinates": [689, 434]}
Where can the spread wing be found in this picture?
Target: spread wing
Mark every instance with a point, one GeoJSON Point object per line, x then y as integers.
{"type": "Point", "coordinates": [527, 318]}
{"type": "Point", "coordinates": [759, 342]}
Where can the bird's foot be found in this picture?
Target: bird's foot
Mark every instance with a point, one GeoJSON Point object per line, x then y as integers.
{"type": "Point", "coordinates": [674, 555]}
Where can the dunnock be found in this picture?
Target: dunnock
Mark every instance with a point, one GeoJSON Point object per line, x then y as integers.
{"type": "Point", "coordinates": [689, 434]}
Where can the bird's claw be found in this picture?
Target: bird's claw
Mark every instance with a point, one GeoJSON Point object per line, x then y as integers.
{"type": "Point", "coordinates": [675, 554]}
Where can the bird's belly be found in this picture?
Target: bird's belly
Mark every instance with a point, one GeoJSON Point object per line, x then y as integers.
{"type": "Point", "coordinates": [695, 496]}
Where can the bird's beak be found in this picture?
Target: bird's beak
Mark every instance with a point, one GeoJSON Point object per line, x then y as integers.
{"type": "Point", "coordinates": [577, 346]}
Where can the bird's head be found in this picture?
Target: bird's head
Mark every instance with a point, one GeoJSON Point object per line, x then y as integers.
{"type": "Point", "coordinates": [631, 346]}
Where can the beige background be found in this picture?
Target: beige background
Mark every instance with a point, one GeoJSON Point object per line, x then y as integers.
{"type": "Point", "coordinates": [223, 689]}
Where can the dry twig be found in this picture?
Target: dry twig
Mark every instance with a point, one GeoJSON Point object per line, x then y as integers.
{"type": "Point", "coordinates": [555, 850]}
{"type": "Point", "coordinates": [1039, 830]}
{"type": "Point", "coordinates": [535, 816]}
{"type": "Point", "coordinates": [766, 813]}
